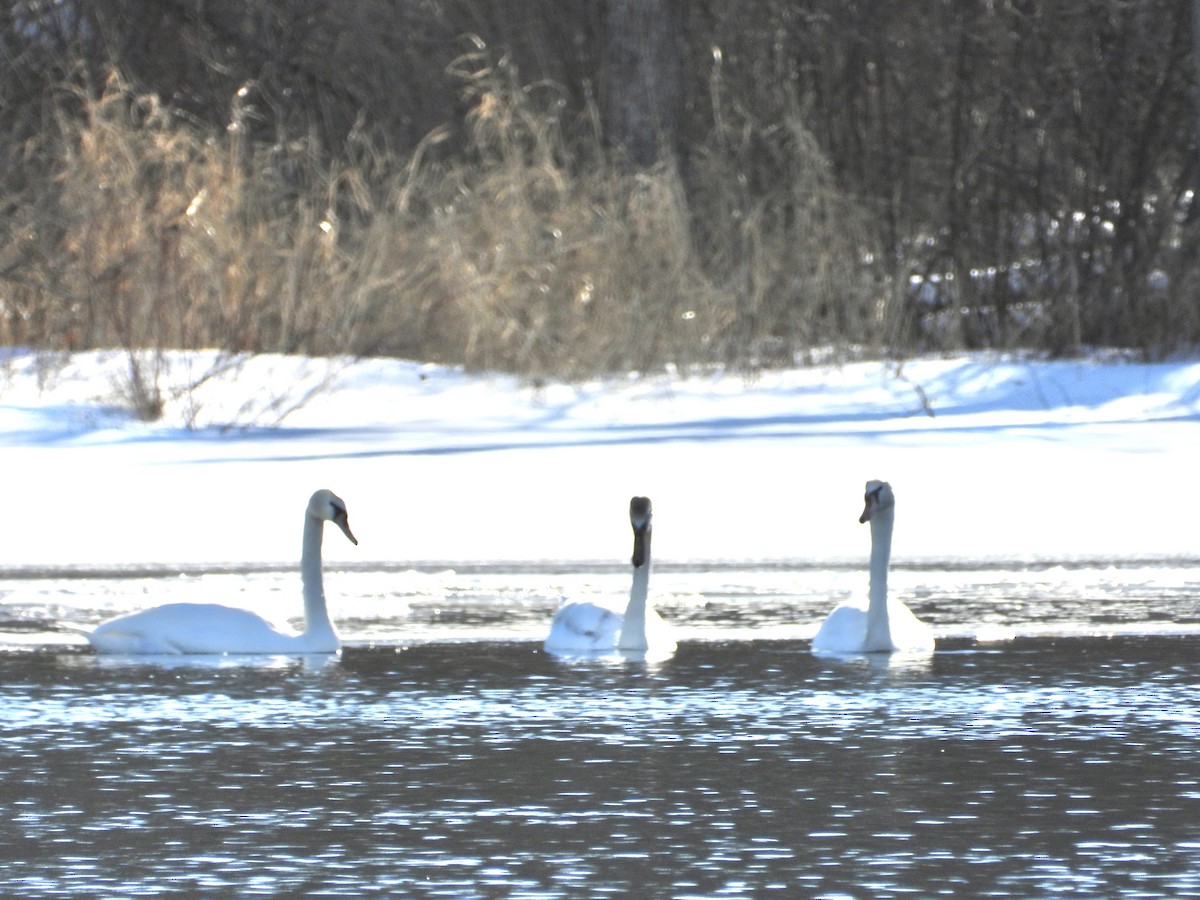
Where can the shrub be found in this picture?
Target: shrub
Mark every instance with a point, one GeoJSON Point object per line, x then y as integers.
{"type": "Point", "coordinates": [532, 253]}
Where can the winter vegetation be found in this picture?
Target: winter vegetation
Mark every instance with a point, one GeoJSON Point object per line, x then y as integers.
{"type": "Point", "coordinates": [560, 191]}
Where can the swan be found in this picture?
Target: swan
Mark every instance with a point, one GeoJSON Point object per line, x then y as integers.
{"type": "Point", "coordinates": [882, 625]}
{"type": "Point", "coordinates": [582, 627]}
{"type": "Point", "coordinates": [211, 628]}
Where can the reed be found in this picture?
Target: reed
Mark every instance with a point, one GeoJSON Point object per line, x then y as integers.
{"type": "Point", "coordinates": [534, 252]}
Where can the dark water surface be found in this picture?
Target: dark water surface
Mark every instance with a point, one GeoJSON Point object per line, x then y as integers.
{"type": "Point", "coordinates": [1041, 765]}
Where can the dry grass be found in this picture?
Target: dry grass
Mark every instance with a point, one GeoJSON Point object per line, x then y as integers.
{"type": "Point", "coordinates": [528, 258]}
{"type": "Point", "coordinates": [134, 230]}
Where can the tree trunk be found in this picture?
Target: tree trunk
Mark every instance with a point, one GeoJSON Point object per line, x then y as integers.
{"type": "Point", "coordinates": [1195, 207]}
{"type": "Point", "coordinates": [641, 78]}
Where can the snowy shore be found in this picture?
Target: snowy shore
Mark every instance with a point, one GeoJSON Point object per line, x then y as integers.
{"type": "Point", "coordinates": [992, 458]}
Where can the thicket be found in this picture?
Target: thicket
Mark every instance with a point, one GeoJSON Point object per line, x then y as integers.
{"type": "Point", "coordinates": [463, 181]}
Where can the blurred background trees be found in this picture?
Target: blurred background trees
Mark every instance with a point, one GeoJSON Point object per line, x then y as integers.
{"type": "Point", "coordinates": [576, 187]}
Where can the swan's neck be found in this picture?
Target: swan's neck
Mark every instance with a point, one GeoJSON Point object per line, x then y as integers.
{"type": "Point", "coordinates": [316, 615]}
{"type": "Point", "coordinates": [879, 632]}
{"type": "Point", "coordinates": [633, 629]}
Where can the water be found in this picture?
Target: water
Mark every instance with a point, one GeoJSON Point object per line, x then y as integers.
{"type": "Point", "coordinates": [1048, 748]}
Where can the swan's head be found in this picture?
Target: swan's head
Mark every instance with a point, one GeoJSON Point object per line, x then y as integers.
{"type": "Point", "coordinates": [879, 497]}
{"type": "Point", "coordinates": [640, 514]}
{"type": "Point", "coordinates": [329, 507]}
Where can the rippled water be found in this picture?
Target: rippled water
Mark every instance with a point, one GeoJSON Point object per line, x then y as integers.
{"type": "Point", "coordinates": [1050, 746]}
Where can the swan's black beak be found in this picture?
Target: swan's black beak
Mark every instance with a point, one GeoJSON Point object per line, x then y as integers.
{"type": "Point", "coordinates": [872, 505]}
{"type": "Point", "coordinates": [640, 512]}
{"type": "Point", "coordinates": [873, 501]}
{"type": "Point", "coordinates": [639, 548]}
{"type": "Point", "coordinates": [342, 520]}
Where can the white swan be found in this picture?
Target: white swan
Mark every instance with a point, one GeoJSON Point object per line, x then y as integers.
{"type": "Point", "coordinates": [210, 628]}
{"type": "Point", "coordinates": [882, 625]}
{"type": "Point", "coordinates": [581, 627]}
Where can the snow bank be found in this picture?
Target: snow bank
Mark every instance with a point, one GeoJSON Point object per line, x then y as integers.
{"type": "Point", "coordinates": [991, 458]}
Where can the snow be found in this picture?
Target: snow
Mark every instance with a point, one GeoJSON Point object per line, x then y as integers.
{"type": "Point", "coordinates": [993, 458]}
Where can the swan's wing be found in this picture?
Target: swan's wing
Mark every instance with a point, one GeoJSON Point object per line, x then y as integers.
{"type": "Point", "coordinates": [584, 627]}
{"type": "Point", "coordinates": [659, 637]}
{"type": "Point", "coordinates": [659, 634]}
{"type": "Point", "coordinates": [188, 628]}
{"type": "Point", "coordinates": [908, 632]}
{"type": "Point", "coordinates": [843, 631]}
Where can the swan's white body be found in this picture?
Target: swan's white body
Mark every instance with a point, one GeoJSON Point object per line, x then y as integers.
{"type": "Point", "coordinates": [882, 625]}
{"type": "Point", "coordinates": [585, 628]}
{"type": "Point", "coordinates": [210, 628]}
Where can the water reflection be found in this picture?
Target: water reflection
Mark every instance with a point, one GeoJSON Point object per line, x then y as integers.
{"type": "Point", "coordinates": [389, 606]}
{"type": "Point", "coordinates": [909, 661]}
{"type": "Point", "coordinates": [1047, 747]}
{"type": "Point", "coordinates": [296, 664]}
{"type": "Point", "coordinates": [1040, 767]}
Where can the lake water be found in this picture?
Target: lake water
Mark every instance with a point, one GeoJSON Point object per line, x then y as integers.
{"type": "Point", "coordinates": [1050, 747]}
